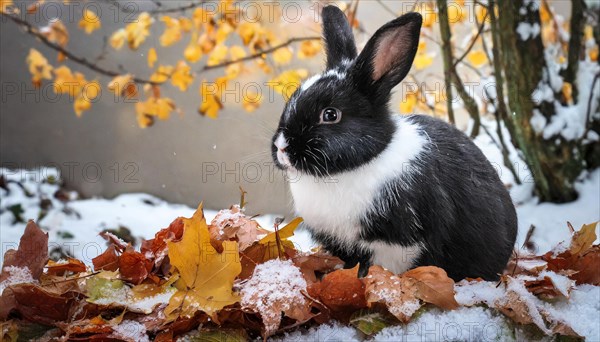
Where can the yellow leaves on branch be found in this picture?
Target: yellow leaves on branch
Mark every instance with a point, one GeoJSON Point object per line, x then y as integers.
{"type": "Point", "coordinates": [206, 276]}
{"type": "Point", "coordinates": [75, 84]}
{"type": "Point", "coordinates": [287, 82]}
{"type": "Point", "coordinates": [56, 32]}
{"type": "Point", "coordinates": [283, 56]}
{"type": "Point", "coordinates": [309, 48]}
{"type": "Point", "coordinates": [89, 22]}
{"type": "Point", "coordinates": [154, 107]}
{"type": "Point", "coordinates": [218, 55]}
{"type": "Point", "coordinates": [134, 33]}
{"type": "Point", "coordinates": [182, 76]}
{"type": "Point", "coordinates": [173, 31]}
{"type": "Point", "coordinates": [162, 74]}
{"type": "Point", "coordinates": [38, 67]}
{"type": "Point", "coordinates": [124, 86]}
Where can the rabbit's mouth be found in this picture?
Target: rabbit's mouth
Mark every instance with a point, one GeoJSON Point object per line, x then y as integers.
{"type": "Point", "coordinates": [282, 157]}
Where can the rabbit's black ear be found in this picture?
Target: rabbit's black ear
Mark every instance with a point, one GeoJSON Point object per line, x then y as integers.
{"type": "Point", "coordinates": [388, 55]}
{"type": "Point", "coordinates": [339, 40]}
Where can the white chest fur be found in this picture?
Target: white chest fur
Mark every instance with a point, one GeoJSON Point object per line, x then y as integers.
{"type": "Point", "coordinates": [335, 206]}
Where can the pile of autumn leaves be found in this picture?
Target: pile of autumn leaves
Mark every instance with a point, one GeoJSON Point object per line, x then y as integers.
{"type": "Point", "coordinates": [233, 277]}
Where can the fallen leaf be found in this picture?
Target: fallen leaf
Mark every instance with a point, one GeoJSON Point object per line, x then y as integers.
{"type": "Point", "coordinates": [32, 252]}
{"type": "Point", "coordinates": [206, 276]}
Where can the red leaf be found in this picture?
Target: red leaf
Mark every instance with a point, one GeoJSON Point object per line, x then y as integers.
{"type": "Point", "coordinates": [134, 266]}
{"type": "Point", "coordinates": [108, 261]}
{"type": "Point", "coordinates": [32, 252]}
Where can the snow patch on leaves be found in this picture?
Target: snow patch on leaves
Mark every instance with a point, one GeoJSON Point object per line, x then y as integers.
{"type": "Point", "coordinates": [276, 286]}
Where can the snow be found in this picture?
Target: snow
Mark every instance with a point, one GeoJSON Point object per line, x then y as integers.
{"type": "Point", "coordinates": [561, 283]}
{"type": "Point", "coordinates": [274, 284]}
{"type": "Point", "coordinates": [124, 296]}
{"type": "Point", "coordinates": [17, 275]}
{"type": "Point", "coordinates": [527, 30]}
{"type": "Point", "coordinates": [130, 331]}
{"type": "Point", "coordinates": [333, 331]}
{"type": "Point", "coordinates": [463, 324]}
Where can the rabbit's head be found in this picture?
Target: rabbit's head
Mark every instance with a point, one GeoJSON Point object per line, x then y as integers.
{"type": "Point", "coordinates": [340, 120]}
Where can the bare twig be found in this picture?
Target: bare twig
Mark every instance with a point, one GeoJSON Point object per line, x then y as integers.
{"type": "Point", "coordinates": [387, 8]}
{"type": "Point", "coordinates": [163, 10]}
{"type": "Point", "coordinates": [466, 52]}
{"type": "Point", "coordinates": [29, 28]}
{"type": "Point", "coordinates": [589, 106]}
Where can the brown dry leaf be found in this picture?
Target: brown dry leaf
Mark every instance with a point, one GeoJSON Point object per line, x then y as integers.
{"type": "Point", "coordinates": [342, 292]}
{"type": "Point", "coordinates": [156, 248]}
{"type": "Point", "coordinates": [319, 262]}
{"type": "Point", "coordinates": [397, 294]}
{"type": "Point", "coordinates": [433, 286]}
{"type": "Point", "coordinates": [276, 287]}
{"type": "Point", "coordinates": [32, 252]}
{"type": "Point", "coordinates": [233, 224]}
{"type": "Point", "coordinates": [583, 239]}
{"type": "Point", "coordinates": [70, 265]}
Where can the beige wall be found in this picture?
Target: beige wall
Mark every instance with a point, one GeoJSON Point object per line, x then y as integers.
{"type": "Point", "coordinates": [172, 159]}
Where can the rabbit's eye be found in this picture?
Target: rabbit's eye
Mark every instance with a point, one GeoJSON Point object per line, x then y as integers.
{"type": "Point", "coordinates": [331, 115]}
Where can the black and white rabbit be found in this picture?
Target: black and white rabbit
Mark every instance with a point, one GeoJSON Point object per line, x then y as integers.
{"type": "Point", "coordinates": [376, 188]}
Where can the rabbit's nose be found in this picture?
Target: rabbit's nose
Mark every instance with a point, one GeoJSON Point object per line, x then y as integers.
{"type": "Point", "coordinates": [281, 142]}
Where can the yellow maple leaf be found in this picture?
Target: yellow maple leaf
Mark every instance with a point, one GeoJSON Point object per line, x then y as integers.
{"type": "Point", "coordinates": [207, 277]}
{"type": "Point", "coordinates": [118, 38]}
{"type": "Point", "coordinates": [218, 55]}
{"type": "Point", "coordinates": [309, 48]}
{"type": "Point", "coordinates": [287, 82]}
{"type": "Point", "coordinates": [583, 239]}
{"type": "Point", "coordinates": [477, 58]}
{"type": "Point", "coordinates": [407, 105]}
{"type": "Point", "coordinates": [152, 57]}
{"type": "Point", "coordinates": [172, 32]}
{"type": "Point", "coordinates": [90, 21]}
{"type": "Point", "coordinates": [182, 76]}
{"type": "Point", "coordinates": [284, 233]}
{"type": "Point", "coordinates": [423, 60]}
{"type": "Point", "coordinates": [282, 56]}
{"type": "Point", "coordinates": [162, 74]}
{"type": "Point", "coordinates": [38, 67]}
{"type": "Point", "coordinates": [139, 30]}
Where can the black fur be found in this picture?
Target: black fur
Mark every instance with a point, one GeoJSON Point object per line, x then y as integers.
{"type": "Point", "coordinates": [454, 204]}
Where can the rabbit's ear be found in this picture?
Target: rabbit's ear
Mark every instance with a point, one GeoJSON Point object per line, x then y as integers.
{"type": "Point", "coordinates": [388, 55]}
{"type": "Point", "coordinates": [339, 40]}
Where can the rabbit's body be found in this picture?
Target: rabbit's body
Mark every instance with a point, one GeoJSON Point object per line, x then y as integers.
{"type": "Point", "coordinates": [400, 210]}
{"type": "Point", "coordinates": [377, 188]}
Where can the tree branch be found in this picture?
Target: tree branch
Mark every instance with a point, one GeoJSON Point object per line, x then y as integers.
{"type": "Point", "coordinates": [451, 76]}
{"type": "Point", "coordinates": [575, 44]}
{"type": "Point", "coordinates": [163, 10]}
{"type": "Point", "coordinates": [258, 54]}
{"type": "Point", "coordinates": [29, 28]}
